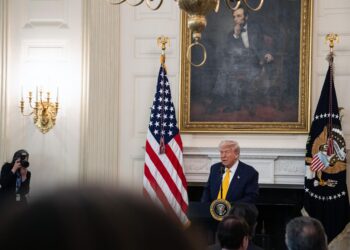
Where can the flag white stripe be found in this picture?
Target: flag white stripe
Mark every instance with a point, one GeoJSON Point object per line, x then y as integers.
{"type": "Point", "coordinates": [168, 166]}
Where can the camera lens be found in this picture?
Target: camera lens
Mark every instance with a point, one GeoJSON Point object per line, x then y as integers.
{"type": "Point", "coordinates": [25, 163]}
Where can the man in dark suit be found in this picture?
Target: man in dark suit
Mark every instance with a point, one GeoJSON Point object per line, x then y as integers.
{"type": "Point", "coordinates": [242, 179]}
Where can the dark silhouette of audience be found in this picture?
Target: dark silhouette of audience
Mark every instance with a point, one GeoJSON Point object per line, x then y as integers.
{"type": "Point", "coordinates": [91, 218]}
{"type": "Point", "coordinates": [305, 233]}
{"type": "Point", "coordinates": [233, 233]}
{"type": "Point", "coordinates": [249, 213]}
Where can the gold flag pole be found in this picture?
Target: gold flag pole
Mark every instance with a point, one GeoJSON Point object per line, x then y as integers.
{"type": "Point", "coordinates": [163, 42]}
{"type": "Point", "coordinates": [331, 38]}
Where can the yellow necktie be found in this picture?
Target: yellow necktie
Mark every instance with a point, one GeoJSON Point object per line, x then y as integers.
{"type": "Point", "coordinates": [225, 185]}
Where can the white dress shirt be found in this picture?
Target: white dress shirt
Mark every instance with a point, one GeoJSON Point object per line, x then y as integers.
{"type": "Point", "coordinates": [232, 171]}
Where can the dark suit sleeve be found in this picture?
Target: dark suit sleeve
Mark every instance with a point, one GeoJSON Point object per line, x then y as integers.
{"type": "Point", "coordinates": [7, 177]}
{"type": "Point", "coordinates": [251, 190]}
{"type": "Point", "coordinates": [206, 190]}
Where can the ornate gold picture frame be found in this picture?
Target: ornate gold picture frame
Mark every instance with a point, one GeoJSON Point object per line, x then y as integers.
{"type": "Point", "coordinates": [262, 87]}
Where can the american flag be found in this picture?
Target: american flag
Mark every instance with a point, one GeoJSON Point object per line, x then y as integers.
{"type": "Point", "coordinates": [326, 193]}
{"type": "Point", "coordinates": [164, 181]}
{"type": "Point", "coordinates": [319, 162]}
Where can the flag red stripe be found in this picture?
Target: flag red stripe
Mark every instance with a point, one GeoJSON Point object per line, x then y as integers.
{"type": "Point", "coordinates": [316, 164]}
{"type": "Point", "coordinates": [179, 141]}
{"type": "Point", "coordinates": [158, 191]}
{"type": "Point", "coordinates": [173, 159]}
{"type": "Point", "coordinates": [162, 170]}
{"type": "Point", "coordinates": [145, 193]}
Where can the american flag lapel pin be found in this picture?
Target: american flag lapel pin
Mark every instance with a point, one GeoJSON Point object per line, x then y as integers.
{"type": "Point", "coordinates": [238, 177]}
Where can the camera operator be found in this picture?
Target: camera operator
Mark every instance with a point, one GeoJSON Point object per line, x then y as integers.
{"type": "Point", "coordinates": [15, 179]}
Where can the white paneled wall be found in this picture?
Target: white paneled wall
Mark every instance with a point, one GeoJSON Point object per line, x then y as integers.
{"type": "Point", "coordinates": [44, 51]}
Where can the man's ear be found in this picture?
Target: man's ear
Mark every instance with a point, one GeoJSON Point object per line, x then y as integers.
{"type": "Point", "coordinates": [245, 242]}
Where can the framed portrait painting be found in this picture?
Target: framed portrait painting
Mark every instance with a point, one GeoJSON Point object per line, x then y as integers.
{"type": "Point", "coordinates": [257, 75]}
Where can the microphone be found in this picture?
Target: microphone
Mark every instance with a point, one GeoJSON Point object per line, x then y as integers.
{"type": "Point", "coordinates": [222, 171]}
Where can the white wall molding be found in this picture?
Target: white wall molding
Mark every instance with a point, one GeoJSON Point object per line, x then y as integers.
{"type": "Point", "coordinates": [3, 75]}
{"type": "Point", "coordinates": [99, 130]}
{"type": "Point", "coordinates": [41, 13]}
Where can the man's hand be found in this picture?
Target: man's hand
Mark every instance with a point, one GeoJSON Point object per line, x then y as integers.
{"type": "Point", "coordinates": [268, 58]}
{"type": "Point", "coordinates": [237, 30]}
{"type": "Point", "coordinates": [16, 166]}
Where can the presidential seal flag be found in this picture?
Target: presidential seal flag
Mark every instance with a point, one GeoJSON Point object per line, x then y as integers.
{"type": "Point", "coordinates": [326, 196]}
{"type": "Point", "coordinates": [164, 181]}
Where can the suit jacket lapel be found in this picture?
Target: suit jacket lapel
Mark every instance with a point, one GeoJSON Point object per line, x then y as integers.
{"type": "Point", "coordinates": [234, 182]}
{"type": "Point", "coordinates": [218, 181]}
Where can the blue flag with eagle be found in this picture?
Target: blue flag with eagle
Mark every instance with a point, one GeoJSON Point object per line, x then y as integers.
{"type": "Point", "coordinates": [326, 196]}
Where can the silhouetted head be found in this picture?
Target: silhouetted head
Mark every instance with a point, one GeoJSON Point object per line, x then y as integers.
{"type": "Point", "coordinates": [248, 212]}
{"type": "Point", "coordinates": [305, 233]}
{"type": "Point", "coordinates": [233, 233]}
{"type": "Point", "coordinates": [20, 154]}
{"type": "Point", "coordinates": [91, 219]}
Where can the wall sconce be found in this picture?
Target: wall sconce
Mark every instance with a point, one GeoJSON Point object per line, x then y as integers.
{"type": "Point", "coordinates": [44, 111]}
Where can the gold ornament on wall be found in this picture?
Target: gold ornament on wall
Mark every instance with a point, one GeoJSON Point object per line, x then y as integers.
{"type": "Point", "coordinates": [44, 111]}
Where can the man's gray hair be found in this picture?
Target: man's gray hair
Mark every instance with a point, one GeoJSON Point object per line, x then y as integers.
{"type": "Point", "coordinates": [305, 233]}
{"type": "Point", "coordinates": [230, 143]}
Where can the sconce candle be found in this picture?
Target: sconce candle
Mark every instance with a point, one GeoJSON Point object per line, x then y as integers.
{"type": "Point", "coordinates": [44, 111]}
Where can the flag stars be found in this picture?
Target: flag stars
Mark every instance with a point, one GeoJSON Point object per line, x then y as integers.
{"type": "Point", "coordinates": [156, 124]}
{"type": "Point", "coordinates": [158, 115]}
{"type": "Point", "coordinates": [165, 116]}
{"type": "Point", "coordinates": [164, 124]}
{"type": "Point", "coordinates": [171, 117]}
{"type": "Point", "coordinates": [166, 99]}
{"type": "Point", "coordinates": [171, 109]}
{"type": "Point", "coordinates": [163, 132]}
{"type": "Point", "coordinates": [161, 91]}
{"type": "Point", "coordinates": [155, 132]}
{"type": "Point", "coordinates": [160, 99]}
{"type": "Point", "coordinates": [170, 133]}
{"type": "Point", "coordinates": [316, 117]}
{"type": "Point", "coordinates": [166, 92]}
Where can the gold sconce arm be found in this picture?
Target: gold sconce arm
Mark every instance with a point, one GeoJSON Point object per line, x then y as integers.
{"type": "Point", "coordinates": [44, 112]}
